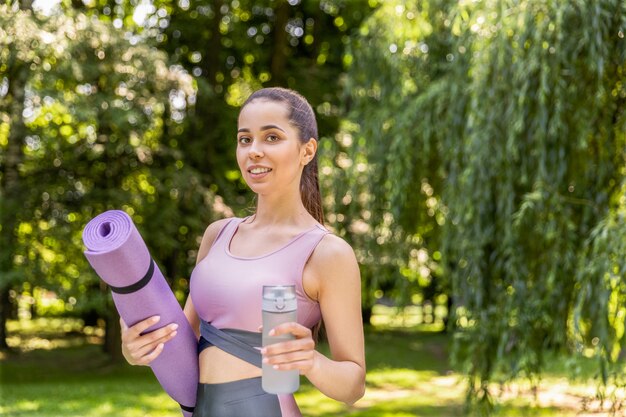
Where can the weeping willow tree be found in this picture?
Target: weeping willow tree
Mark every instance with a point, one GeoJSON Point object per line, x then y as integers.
{"type": "Point", "coordinates": [495, 132]}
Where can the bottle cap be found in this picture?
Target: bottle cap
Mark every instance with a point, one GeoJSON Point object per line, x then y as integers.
{"type": "Point", "coordinates": [279, 298]}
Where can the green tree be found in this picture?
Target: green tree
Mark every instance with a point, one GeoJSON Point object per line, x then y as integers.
{"type": "Point", "coordinates": [89, 137]}
{"type": "Point", "coordinates": [132, 113]}
{"type": "Point", "coordinates": [513, 114]}
{"type": "Point", "coordinates": [231, 48]}
{"type": "Point", "coordinates": [391, 150]}
{"type": "Point", "coordinates": [18, 54]}
{"type": "Point", "coordinates": [234, 47]}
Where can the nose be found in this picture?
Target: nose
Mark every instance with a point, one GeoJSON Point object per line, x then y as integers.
{"type": "Point", "coordinates": [255, 151]}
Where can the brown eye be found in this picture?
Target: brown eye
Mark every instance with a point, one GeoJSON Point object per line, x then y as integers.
{"type": "Point", "coordinates": [244, 140]}
{"type": "Point", "coordinates": [272, 138]}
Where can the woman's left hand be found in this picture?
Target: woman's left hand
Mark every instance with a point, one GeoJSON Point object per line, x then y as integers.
{"type": "Point", "coordinates": [297, 354]}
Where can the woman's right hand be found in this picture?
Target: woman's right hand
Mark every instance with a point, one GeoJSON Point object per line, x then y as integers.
{"type": "Point", "coordinates": [141, 349]}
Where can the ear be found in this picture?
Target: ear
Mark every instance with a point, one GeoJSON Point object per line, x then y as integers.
{"type": "Point", "coordinates": [308, 151]}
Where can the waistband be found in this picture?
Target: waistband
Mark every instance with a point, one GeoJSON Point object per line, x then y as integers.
{"type": "Point", "coordinates": [240, 343]}
{"type": "Point", "coordinates": [242, 398]}
{"type": "Point", "coordinates": [240, 388]}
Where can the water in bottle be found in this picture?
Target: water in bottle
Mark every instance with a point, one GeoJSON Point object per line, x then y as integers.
{"type": "Point", "coordinates": [279, 306]}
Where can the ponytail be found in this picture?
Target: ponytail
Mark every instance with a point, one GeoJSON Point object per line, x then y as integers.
{"type": "Point", "coordinates": [310, 191]}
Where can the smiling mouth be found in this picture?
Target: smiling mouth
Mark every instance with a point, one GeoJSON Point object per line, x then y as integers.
{"type": "Point", "coordinates": [259, 170]}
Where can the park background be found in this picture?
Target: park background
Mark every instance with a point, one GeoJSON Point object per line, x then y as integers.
{"type": "Point", "coordinates": [472, 153]}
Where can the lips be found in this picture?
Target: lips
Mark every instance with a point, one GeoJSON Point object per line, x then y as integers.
{"type": "Point", "coordinates": [259, 170]}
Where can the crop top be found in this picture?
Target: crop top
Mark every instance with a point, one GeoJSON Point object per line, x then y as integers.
{"type": "Point", "coordinates": [226, 289]}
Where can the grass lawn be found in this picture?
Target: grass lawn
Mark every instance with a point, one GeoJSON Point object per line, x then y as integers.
{"type": "Point", "coordinates": [61, 371]}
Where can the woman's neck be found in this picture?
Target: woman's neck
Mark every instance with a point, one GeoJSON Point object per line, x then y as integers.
{"type": "Point", "coordinates": [285, 209]}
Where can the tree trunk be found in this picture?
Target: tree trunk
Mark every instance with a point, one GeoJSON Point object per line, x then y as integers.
{"type": "Point", "coordinates": [26, 4]}
{"type": "Point", "coordinates": [203, 116]}
{"type": "Point", "coordinates": [5, 311]}
{"type": "Point", "coordinates": [279, 53]}
{"type": "Point", "coordinates": [78, 5]}
{"type": "Point", "coordinates": [113, 334]}
{"type": "Point", "coordinates": [10, 190]}
{"type": "Point", "coordinates": [449, 326]}
{"type": "Point", "coordinates": [366, 314]}
{"type": "Point", "coordinates": [211, 60]}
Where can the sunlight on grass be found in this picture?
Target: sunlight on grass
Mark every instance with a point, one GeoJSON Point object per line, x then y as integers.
{"type": "Point", "coordinates": [50, 333]}
{"type": "Point", "coordinates": [389, 391]}
{"type": "Point", "coordinates": [313, 403]}
{"type": "Point", "coordinates": [93, 398]}
{"type": "Point", "coordinates": [418, 390]}
{"type": "Point", "coordinates": [408, 375]}
{"type": "Point", "coordinates": [23, 406]}
{"type": "Point", "coordinates": [398, 378]}
{"type": "Point", "coordinates": [415, 317]}
{"type": "Point", "coordinates": [411, 405]}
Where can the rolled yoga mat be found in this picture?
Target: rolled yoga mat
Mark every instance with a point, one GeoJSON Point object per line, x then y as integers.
{"type": "Point", "coordinates": [120, 257]}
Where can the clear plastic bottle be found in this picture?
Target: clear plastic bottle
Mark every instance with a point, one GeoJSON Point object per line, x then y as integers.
{"type": "Point", "coordinates": [279, 306]}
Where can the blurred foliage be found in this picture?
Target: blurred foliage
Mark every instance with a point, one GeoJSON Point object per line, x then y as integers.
{"type": "Point", "coordinates": [232, 48]}
{"type": "Point", "coordinates": [408, 375]}
{"type": "Point", "coordinates": [94, 110]}
{"type": "Point", "coordinates": [498, 139]}
{"type": "Point", "coordinates": [133, 105]}
{"type": "Point", "coordinates": [471, 152]}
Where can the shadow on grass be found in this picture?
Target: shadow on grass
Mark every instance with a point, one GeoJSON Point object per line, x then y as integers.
{"type": "Point", "coordinates": [424, 351]}
{"type": "Point", "coordinates": [79, 381]}
{"type": "Point", "coordinates": [408, 374]}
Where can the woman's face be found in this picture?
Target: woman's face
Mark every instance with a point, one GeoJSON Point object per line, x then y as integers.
{"type": "Point", "coordinates": [269, 152]}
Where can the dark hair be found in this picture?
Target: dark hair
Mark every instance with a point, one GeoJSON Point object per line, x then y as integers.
{"type": "Point", "coordinates": [302, 117]}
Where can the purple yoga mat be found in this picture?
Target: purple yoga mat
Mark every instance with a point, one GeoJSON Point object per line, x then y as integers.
{"type": "Point", "coordinates": [120, 257]}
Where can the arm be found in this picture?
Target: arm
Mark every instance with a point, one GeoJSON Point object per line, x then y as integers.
{"type": "Point", "coordinates": [332, 274]}
{"type": "Point", "coordinates": [141, 349]}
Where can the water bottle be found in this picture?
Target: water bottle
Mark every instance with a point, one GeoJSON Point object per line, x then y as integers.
{"type": "Point", "coordinates": [279, 306]}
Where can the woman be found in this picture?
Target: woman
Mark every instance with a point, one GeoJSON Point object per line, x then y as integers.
{"type": "Point", "coordinates": [284, 242]}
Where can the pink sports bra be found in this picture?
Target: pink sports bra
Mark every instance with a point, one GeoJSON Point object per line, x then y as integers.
{"type": "Point", "coordinates": [226, 289]}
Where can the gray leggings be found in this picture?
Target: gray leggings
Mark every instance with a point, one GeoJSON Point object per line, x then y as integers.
{"type": "Point", "coordinates": [244, 398]}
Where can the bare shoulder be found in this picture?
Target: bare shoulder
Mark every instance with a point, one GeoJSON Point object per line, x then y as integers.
{"type": "Point", "coordinates": [333, 256]}
{"type": "Point", "coordinates": [332, 247]}
{"type": "Point", "coordinates": [210, 234]}
{"type": "Point", "coordinates": [213, 229]}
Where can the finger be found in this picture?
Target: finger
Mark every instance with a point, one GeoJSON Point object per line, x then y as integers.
{"type": "Point", "coordinates": [162, 334]}
{"type": "Point", "coordinates": [147, 359]}
{"type": "Point", "coordinates": [300, 365]}
{"type": "Point", "coordinates": [134, 340]}
{"type": "Point", "coordinates": [162, 339]}
{"type": "Point", "coordinates": [139, 353]}
{"type": "Point", "coordinates": [298, 330]}
{"type": "Point", "coordinates": [302, 361]}
{"type": "Point", "coordinates": [289, 346]}
{"type": "Point", "coordinates": [148, 347]}
{"type": "Point", "coordinates": [289, 357]}
{"type": "Point", "coordinates": [123, 325]}
{"type": "Point", "coordinates": [143, 325]}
